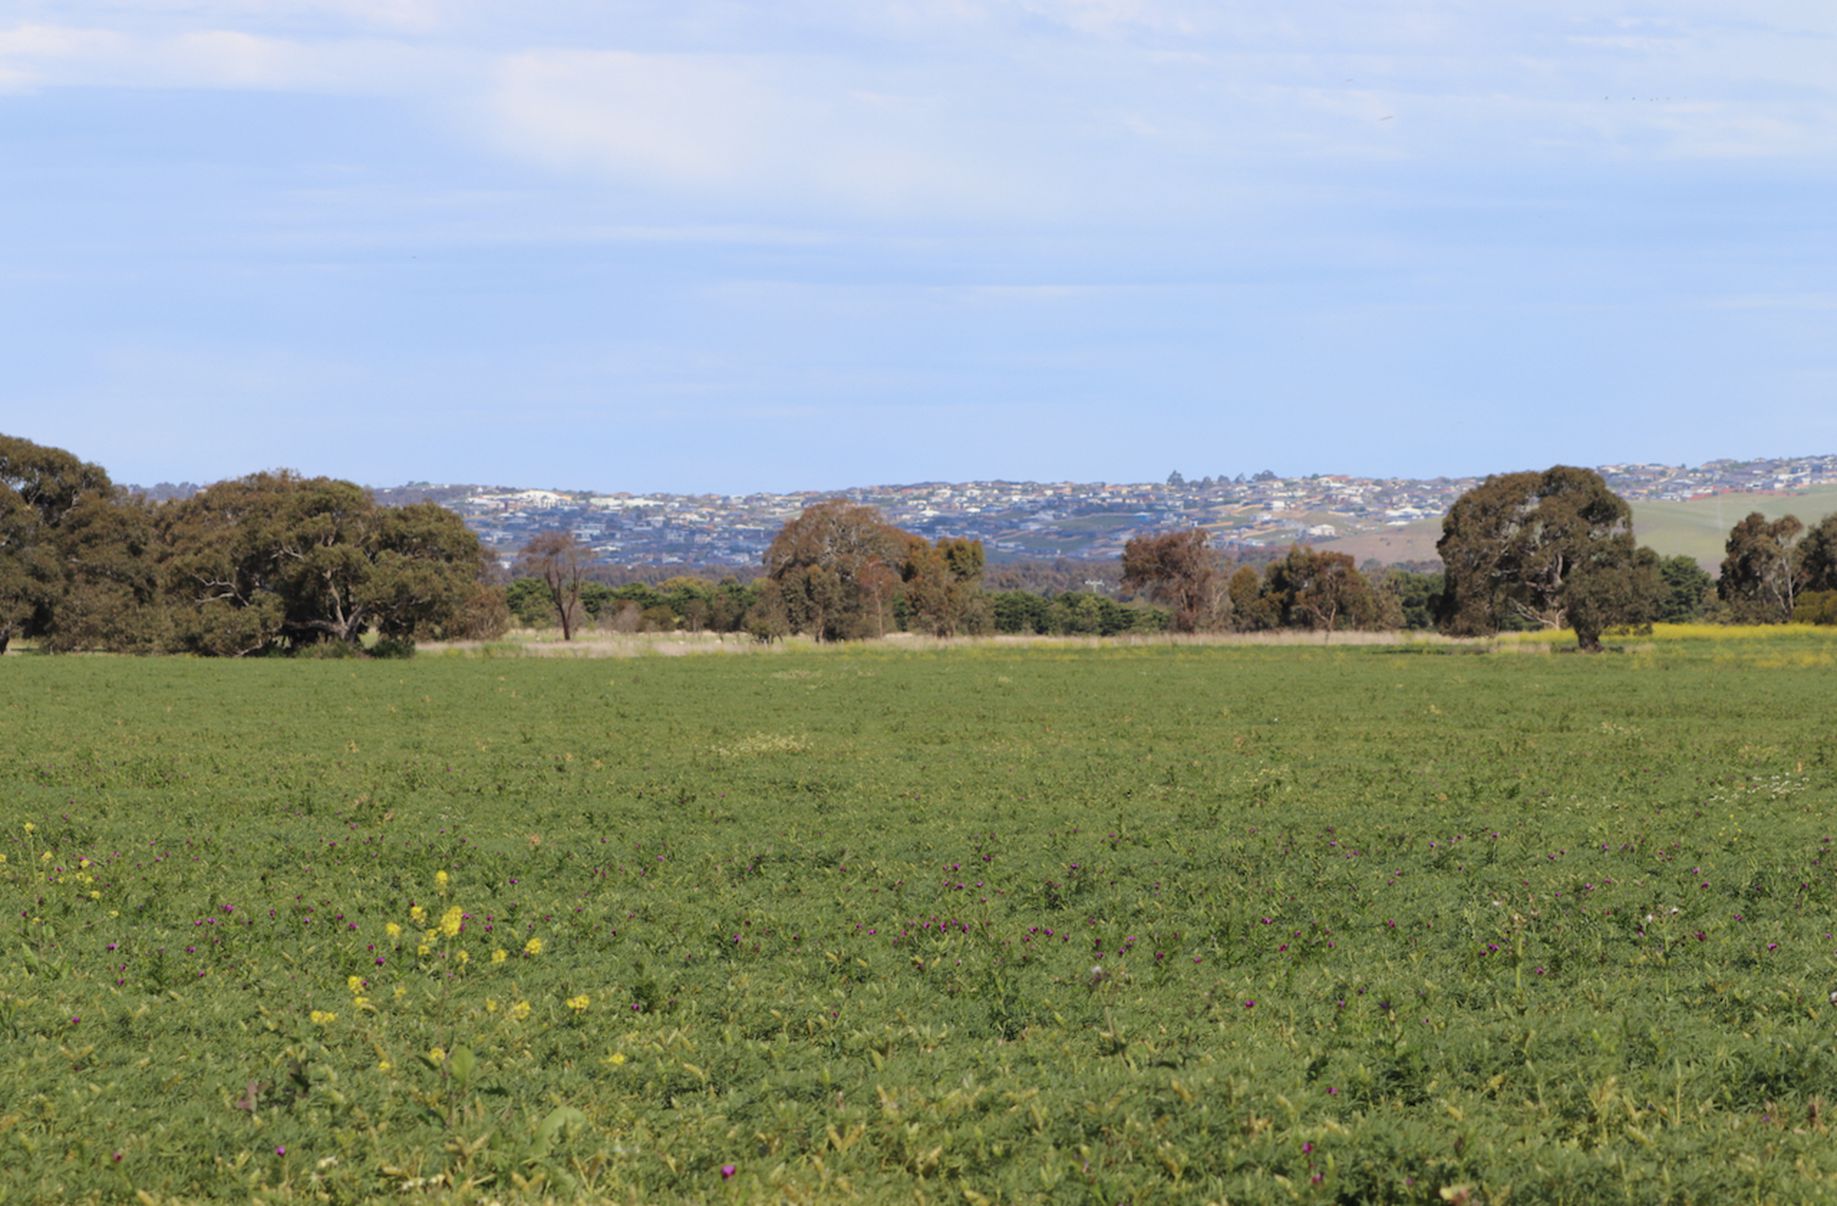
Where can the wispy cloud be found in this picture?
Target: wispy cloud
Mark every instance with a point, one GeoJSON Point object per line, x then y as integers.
{"type": "Point", "coordinates": [726, 127]}
{"type": "Point", "coordinates": [1050, 104]}
{"type": "Point", "coordinates": [50, 56]}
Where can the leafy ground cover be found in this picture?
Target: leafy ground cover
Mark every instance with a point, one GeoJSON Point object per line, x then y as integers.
{"type": "Point", "coordinates": [1144, 923]}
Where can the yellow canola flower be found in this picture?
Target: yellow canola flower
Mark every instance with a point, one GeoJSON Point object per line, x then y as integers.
{"type": "Point", "coordinates": [451, 920]}
{"type": "Point", "coordinates": [579, 1004]}
{"type": "Point", "coordinates": [533, 947]}
{"type": "Point", "coordinates": [520, 1010]}
{"type": "Point", "coordinates": [354, 984]}
{"type": "Point", "coordinates": [440, 882]}
{"type": "Point", "coordinates": [322, 1018]}
{"type": "Point", "coordinates": [499, 955]}
{"type": "Point", "coordinates": [418, 915]}
{"type": "Point", "coordinates": [393, 930]}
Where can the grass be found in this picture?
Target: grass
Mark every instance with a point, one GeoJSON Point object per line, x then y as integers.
{"type": "Point", "coordinates": [1150, 922]}
{"type": "Point", "coordinates": [1794, 636]}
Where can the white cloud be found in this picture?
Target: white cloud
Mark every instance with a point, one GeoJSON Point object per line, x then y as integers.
{"type": "Point", "coordinates": [44, 56]}
{"type": "Point", "coordinates": [154, 16]}
{"type": "Point", "coordinates": [730, 126]}
{"type": "Point", "coordinates": [979, 107]}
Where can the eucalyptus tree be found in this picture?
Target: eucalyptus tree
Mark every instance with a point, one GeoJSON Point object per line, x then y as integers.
{"type": "Point", "coordinates": [1553, 549]}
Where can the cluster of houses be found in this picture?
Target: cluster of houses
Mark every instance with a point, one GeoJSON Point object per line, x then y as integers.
{"type": "Point", "coordinates": [1014, 520]}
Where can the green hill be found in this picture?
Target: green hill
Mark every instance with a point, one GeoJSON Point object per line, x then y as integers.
{"type": "Point", "coordinates": [1699, 527]}
{"type": "Point", "coordinates": [1696, 528]}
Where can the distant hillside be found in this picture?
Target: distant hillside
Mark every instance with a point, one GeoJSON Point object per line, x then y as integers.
{"type": "Point", "coordinates": [1677, 509]}
{"type": "Point", "coordinates": [1695, 529]}
{"type": "Point", "coordinates": [1699, 527]}
{"type": "Point", "coordinates": [1412, 542]}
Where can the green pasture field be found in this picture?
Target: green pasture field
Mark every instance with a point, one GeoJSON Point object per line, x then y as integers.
{"type": "Point", "coordinates": [1139, 923]}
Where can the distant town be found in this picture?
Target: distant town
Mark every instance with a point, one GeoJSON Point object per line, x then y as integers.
{"type": "Point", "coordinates": [1032, 520]}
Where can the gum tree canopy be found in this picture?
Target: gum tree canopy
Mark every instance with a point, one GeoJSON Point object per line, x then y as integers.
{"type": "Point", "coordinates": [39, 487]}
{"type": "Point", "coordinates": [1180, 570]}
{"type": "Point", "coordinates": [276, 557]}
{"type": "Point", "coordinates": [836, 567]}
{"type": "Point", "coordinates": [1552, 549]}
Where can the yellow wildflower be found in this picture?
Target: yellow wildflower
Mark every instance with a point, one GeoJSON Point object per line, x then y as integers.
{"type": "Point", "coordinates": [451, 920]}
{"type": "Point", "coordinates": [440, 882]}
{"type": "Point", "coordinates": [436, 1055]}
{"type": "Point", "coordinates": [491, 1005]}
{"type": "Point", "coordinates": [31, 828]}
{"type": "Point", "coordinates": [499, 955]}
{"type": "Point", "coordinates": [362, 1003]}
{"type": "Point", "coordinates": [418, 915]}
{"type": "Point", "coordinates": [2, 858]}
{"type": "Point", "coordinates": [461, 958]}
{"type": "Point", "coordinates": [354, 984]}
{"type": "Point", "coordinates": [383, 1065]}
{"type": "Point", "coordinates": [533, 947]}
{"type": "Point", "coordinates": [424, 950]}
{"type": "Point", "coordinates": [580, 1003]}
{"type": "Point", "coordinates": [401, 990]}
{"type": "Point", "coordinates": [616, 1058]}
{"type": "Point", "coordinates": [520, 1010]}
{"type": "Point", "coordinates": [393, 930]}
{"type": "Point", "coordinates": [321, 1018]}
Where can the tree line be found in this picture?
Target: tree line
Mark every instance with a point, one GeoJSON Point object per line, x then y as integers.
{"type": "Point", "coordinates": [281, 563]}
{"type": "Point", "coordinates": [839, 571]}
{"type": "Point", "coordinates": [1521, 551]}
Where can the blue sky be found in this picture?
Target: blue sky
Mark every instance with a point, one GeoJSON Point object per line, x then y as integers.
{"type": "Point", "coordinates": [722, 245]}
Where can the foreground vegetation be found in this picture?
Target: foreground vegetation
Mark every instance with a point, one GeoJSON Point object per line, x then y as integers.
{"type": "Point", "coordinates": [1132, 923]}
